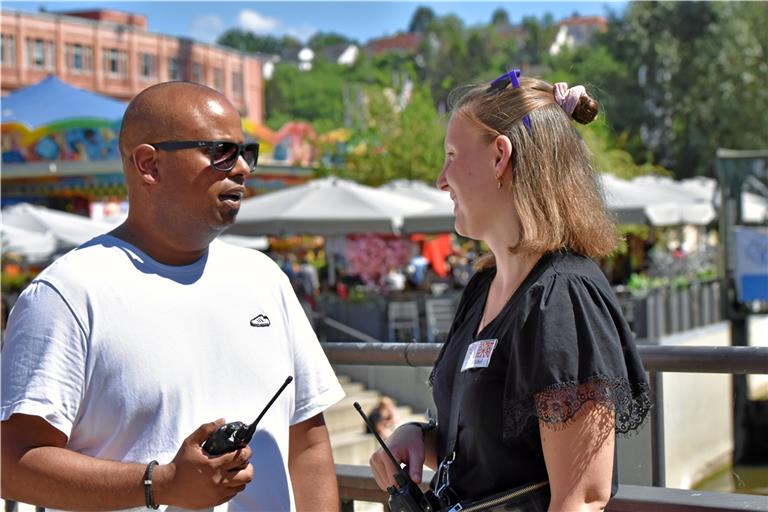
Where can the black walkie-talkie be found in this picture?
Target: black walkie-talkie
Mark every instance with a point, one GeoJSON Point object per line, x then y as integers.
{"type": "Point", "coordinates": [406, 496]}
{"type": "Point", "coordinates": [236, 435]}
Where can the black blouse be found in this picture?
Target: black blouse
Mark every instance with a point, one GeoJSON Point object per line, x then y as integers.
{"type": "Point", "coordinates": [561, 342]}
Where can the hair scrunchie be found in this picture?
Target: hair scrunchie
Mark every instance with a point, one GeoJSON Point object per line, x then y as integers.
{"type": "Point", "coordinates": [568, 98]}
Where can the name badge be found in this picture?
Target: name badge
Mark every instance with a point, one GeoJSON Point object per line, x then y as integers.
{"type": "Point", "coordinates": [479, 354]}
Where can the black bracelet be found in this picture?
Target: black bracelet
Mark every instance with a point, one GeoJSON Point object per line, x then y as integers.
{"type": "Point", "coordinates": [425, 427]}
{"type": "Point", "coordinates": [148, 498]}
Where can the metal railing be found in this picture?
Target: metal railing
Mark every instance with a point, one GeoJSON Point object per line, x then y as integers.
{"type": "Point", "coordinates": [356, 482]}
{"type": "Point", "coordinates": [668, 310]}
{"type": "Point", "coordinates": [660, 311]}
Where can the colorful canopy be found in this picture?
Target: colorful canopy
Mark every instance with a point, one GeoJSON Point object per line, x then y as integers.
{"type": "Point", "coordinates": [52, 101]}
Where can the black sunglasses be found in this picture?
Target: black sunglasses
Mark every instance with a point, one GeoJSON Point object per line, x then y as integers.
{"type": "Point", "coordinates": [223, 153]}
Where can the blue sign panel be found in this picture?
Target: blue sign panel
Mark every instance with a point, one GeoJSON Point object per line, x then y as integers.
{"type": "Point", "coordinates": [751, 263]}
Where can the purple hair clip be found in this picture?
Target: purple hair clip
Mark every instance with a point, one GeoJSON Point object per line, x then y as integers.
{"type": "Point", "coordinates": [510, 77]}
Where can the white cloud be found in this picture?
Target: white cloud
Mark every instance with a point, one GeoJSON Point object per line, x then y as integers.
{"type": "Point", "coordinates": [254, 22]}
{"type": "Point", "coordinates": [206, 28]}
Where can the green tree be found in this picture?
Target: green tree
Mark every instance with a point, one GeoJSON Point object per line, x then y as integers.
{"type": "Point", "coordinates": [595, 68]}
{"type": "Point", "coordinates": [404, 144]}
{"type": "Point", "coordinates": [314, 96]}
{"type": "Point", "coordinates": [250, 42]}
{"type": "Point", "coordinates": [538, 37]}
{"type": "Point", "coordinates": [321, 40]}
{"type": "Point", "coordinates": [695, 76]}
{"type": "Point", "coordinates": [607, 155]}
{"type": "Point", "coordinates": [421, 20]}
{"type": "Point", "coordinates": [500, 17]}
{"type": "Point", "coordinates": [456, 55]}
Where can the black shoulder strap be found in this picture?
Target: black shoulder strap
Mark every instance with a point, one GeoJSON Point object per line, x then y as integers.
{"type": "Point", "coordinates": [443, 489]}
{"type": "Point", "coordinates": [453, 419]}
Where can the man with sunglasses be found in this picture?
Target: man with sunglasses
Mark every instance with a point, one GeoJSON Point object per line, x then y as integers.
{"type": "Point", "coordinates": [120, 355]}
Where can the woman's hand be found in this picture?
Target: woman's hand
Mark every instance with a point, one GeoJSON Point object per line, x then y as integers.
{"type": "Point", "coordinates": [407, 446]}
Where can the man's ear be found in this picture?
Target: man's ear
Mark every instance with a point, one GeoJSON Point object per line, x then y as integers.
{"type": "Point", "coordinates": [504, 151]}
{"type": "Point", "coordinates": [145, 163]}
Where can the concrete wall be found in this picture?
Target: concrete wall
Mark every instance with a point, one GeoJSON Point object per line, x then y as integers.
{"type": "Point", "coordinates": [698, 408]}
{"type": "Point", "coordinates": [698, 427]}
{"type": "Point", "coordinates": [408, 386]}
{"type": "Point", "coordinates": [698, 414]}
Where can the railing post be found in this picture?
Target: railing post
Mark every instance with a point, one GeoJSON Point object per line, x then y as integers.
{"type": "Point", "coordinates": [673, 310]}
{"type": "Point", "coordinates": [694, 298]}
{"type": "Point", "coordinates": [686, 307]}
{"type": "Point", "coordinates": [717, 286]}
{"type": "Point", "coordinates": [740, 338]}
{"type": "Point", "coordinates": [658, 471]}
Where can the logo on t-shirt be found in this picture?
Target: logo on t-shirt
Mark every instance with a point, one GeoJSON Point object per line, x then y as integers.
{"type": "Point", "coordinates": [260, 321]}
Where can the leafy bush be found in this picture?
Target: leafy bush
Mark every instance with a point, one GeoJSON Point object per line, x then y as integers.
{"type": "Point", "coordinates": [15, 282]}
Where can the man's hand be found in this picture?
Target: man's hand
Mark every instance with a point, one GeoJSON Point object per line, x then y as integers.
{"type": "Point", "coordinates": [194, 479]}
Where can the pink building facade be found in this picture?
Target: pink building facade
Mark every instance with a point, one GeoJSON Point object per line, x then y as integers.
{"type": "Point", "coordinates": [111, 52]}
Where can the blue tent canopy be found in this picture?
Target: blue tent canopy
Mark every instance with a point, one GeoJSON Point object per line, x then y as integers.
{"type": "Point", "coordinates": [53, 101]}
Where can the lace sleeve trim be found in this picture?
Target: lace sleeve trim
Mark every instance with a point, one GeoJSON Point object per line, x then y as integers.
{"type": "Point", "coordinates": [559, 403]}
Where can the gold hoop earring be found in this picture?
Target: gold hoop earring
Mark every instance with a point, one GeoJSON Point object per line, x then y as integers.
{"type": "Point", "coordinates": [498, 182]}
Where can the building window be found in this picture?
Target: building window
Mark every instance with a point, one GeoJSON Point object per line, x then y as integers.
{"type": "Point", "coordinates": [174, 70]}
{"type": "Point", "coordinates": [75, 57]}
{"type": "Point", "coordinates": [218, 79]}
{"type": "Point", "coordinates": [147, 65]}
{"type": "Point", "coordinates": [197, 73]}
{"type": "Point", "coordinates": [8, 51]}
{"type": "Point", "coordinates": [237, 84]}
{"type": "Point", "coordinates": [36, 53]}
{"type": "Point", "coordinates": [87, 59]}
{"type": "Point", "coordinates": [115, 62]}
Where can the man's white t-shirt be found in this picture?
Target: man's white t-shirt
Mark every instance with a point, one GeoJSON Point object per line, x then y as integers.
{"type": "Point", "coordinates": [127, 356]}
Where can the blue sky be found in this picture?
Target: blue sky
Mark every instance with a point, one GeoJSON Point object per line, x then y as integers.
{"type": "Point", "coordinates": [205, 21]}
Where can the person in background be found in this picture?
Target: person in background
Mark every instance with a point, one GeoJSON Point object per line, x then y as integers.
{"type": "Point", "coordinates": [395, 280]}
{"type": "Point", "coordinates": [308, 282]}
{"type": "Point", "coordinates": [539, 371]}
{"type": "Point", "coordinates": [384, 417]}
{"type": "Point", "coordinates": [291, 268]}
{"type": "Point", "coordinates": [122, 354]}
{"type": "Point", "coordinates": [417, 267]}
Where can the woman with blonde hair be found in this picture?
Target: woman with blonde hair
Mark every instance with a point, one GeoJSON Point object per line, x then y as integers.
{"type": "Point", "coordinates": [540, 371]}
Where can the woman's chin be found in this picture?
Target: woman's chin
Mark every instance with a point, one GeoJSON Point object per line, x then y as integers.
{"type": "Point", "coordinates": [461, 228]}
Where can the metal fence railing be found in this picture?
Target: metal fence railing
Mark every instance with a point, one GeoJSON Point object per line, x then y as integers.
{"type": "Point", "coordinates": [356, 483]}
{"type": "Point", "coordinates": [671, 309]}
{"type": "Point", "coordinates": [657, 312]}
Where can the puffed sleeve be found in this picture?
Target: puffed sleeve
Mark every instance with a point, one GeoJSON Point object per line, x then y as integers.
{"type": "Point", "coordinates": [574, 347]}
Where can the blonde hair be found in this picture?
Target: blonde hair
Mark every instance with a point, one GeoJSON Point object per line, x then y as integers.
{"type": "Point", "coordinates": [555, 190]}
